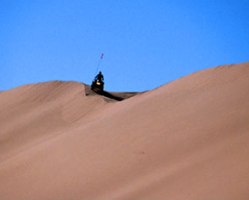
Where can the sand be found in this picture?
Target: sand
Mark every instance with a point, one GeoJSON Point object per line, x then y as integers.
{"type": "Point", "coordinates": [186, 140]}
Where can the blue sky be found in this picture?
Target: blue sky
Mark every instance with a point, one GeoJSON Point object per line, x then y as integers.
{"type": "Point", "coordinates": [146, 43]}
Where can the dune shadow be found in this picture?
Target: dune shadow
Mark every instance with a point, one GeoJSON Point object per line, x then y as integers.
{"type": "Point", "coordinates": [117, 96]}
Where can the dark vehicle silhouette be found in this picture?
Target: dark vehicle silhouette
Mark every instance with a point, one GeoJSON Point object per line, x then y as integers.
{"type": "Point", "coordinates": [98, 83]}
{"type": "Point", "coordinates": [97, 87]}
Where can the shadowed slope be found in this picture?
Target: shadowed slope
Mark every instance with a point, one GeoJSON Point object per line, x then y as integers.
{"type": "Point", "coordinates": [186, 140]}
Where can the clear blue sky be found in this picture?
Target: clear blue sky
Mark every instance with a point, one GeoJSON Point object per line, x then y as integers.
{"type": "Point", "coordinates": [146, 43]}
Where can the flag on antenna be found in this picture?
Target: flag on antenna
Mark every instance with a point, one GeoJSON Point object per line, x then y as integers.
{"type": "Point", "coordinates": [102, 56]}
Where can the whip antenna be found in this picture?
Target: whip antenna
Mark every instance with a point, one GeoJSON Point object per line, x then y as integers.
{"type": "Point", "coordinates": [99, 62]}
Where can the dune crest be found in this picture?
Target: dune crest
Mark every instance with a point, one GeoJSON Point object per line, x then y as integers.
{"type": "Point", "coordinates": [186, 140]}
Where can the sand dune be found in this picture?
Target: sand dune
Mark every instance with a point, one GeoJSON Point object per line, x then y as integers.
{"type": "Point", "coordinates": [186, 140]}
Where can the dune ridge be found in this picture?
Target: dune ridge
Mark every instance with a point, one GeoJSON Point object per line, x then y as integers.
{"type": "Point", "coordinates": [185, 140]}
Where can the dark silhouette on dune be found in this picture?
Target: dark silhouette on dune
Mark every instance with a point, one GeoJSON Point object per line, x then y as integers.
{"type": "Point", "coordinates": [97, 87]}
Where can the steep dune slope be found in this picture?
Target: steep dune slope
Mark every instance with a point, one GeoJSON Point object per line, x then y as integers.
{"type": "Point", "coordinates": [186, 140]}
{"type": "Point", "coordinates": [34, 112]}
